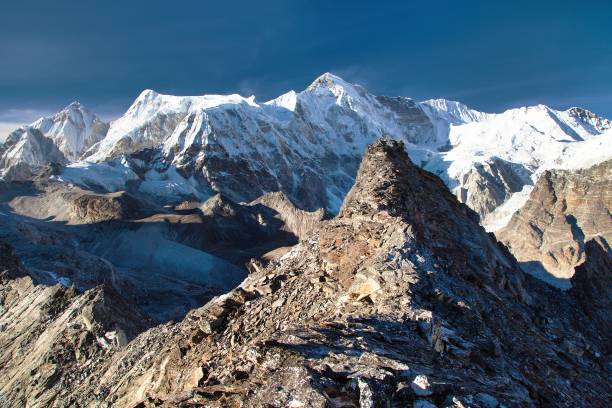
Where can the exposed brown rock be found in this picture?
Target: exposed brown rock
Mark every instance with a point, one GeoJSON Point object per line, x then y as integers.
{"type": "Point", "coordinates": [296, 221]}
{"type": "Point", "coordinates": [565, 209]}
{"type": "Point", "coordinates": [91, 208]}
{"type": "Point", "coordinates": [52, 338]}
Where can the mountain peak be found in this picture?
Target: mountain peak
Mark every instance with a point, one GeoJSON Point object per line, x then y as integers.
{"type": "Point", "coordinates": [77, 108]}
{"type": "Point", "coordinates": [328, 81]}
{"type": "Point", "coordinates": [378, 185]}
{"type": "Point", "coordinates": [75, 105]}
{"type": "Point", "coordinates": [389, 185]}
{"type": "Point", "coordinates": [452, 111]}
{"type": "Point", "coordinates": [388, 182]}
{"type": "Point", "coordinates": [147, 94]}
{"type": "Point", "coordinates": [599, 123]}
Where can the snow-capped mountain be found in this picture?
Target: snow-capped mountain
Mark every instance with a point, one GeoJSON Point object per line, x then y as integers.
{"type": "Point", "coordinates": [309, 144]}
{"type": "Point", "coordinates": [306, 144]}
{"type": "Point", "coordinates": [24, 150]}
{"type": "Point", "coordinates": [73, 130]}
{"type": "Point", "coordinates": [491, 157]}
{"type": "Point", "coordinates": [60, 138]}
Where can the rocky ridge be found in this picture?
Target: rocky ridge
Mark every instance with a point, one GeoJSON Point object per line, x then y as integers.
{"type": "Point", "coordinates": [53, 336]}
{"type": "Point", "coordinates": [401, 299]}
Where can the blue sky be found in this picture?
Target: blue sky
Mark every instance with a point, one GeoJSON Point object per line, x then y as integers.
{"type": "Point", "coordinates": [490, 55]}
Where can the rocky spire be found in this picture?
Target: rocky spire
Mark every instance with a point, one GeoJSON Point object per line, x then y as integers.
{"type": "Point", "coordinates": [389, 185]}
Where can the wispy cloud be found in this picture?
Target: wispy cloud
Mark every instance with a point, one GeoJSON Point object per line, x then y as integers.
{"type": "Point", "coordinates": [22, 115]}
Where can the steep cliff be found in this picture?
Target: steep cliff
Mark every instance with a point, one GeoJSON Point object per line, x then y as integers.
{"type": "Point", "coordinates": [564, 211]}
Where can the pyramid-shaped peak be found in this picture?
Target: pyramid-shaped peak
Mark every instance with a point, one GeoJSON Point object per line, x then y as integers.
{"type": "Point", "coordinates": [388, 181]}
{"type": "Point", "coordinates": [75, 105]}
{"type": "Point", "coordinates": [380, 182]}
{"type": "Point", "coordinates": [329, 81]}
{"type": "Point", "coordinates": [389, 188]}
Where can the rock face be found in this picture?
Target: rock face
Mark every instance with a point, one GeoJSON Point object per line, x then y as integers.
{"type": "Point", "coordinates": [90, 208]}
{"type": "Point", "coordinates": [488, 185]}
{"type": "Point", "coordinates": [592, 283]}
{"type": "Point", "coordinates": [62, 335]}
{"type": "Point", "coordinates": [564, 211]}
{"type": "Point", "coordinates": [402, 299]}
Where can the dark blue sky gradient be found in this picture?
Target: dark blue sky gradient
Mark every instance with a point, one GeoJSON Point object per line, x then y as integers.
{"type": "Point", "coordinates": [490, 55]}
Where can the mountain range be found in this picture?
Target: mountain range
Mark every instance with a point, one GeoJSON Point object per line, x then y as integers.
{"type": "Point", "coordinates": [308, 145]}
{"type": "Point", "coordinates": [327, 248]}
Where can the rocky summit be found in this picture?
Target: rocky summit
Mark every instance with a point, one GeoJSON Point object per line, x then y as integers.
{"type": "Point", "coordinates": [400, 300]}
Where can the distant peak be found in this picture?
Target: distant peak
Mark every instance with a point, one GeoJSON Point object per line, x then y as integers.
{"type": "Point", "coordinates": [327, 80]}
{"type": "Point", "coordinates": [148, 94]}
{"type": "Point", "coordinates": [75, 106]}
{"type": "Point", "coordinates": [540, 107]}
{"type": "Point", "coordinates": [287, 100]}
{"type": "Point", "coordinates": [584, 115]}
{"type": "Point", "coordinates": [453, 111]}
{"type": "Point", "coordinates": [446, 103]}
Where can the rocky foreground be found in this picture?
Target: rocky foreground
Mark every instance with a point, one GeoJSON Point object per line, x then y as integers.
{"type": "Point", "coordinates": [401, 300]}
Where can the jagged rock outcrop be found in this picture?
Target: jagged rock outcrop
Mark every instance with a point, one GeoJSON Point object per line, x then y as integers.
{"type": "Point", "coordinates": [91, 208]}
{"type": "Point", "coordinates": [296, 221]}
{"type": "Point", "coordinates": [564, 211]}
{"type": "Point", "coordinates": [403, 299]}
{"type": "Point", "coordinates": [52, 337]}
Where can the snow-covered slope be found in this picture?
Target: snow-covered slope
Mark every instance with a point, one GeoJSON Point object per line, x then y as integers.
{"type": "Point", "coordinates": [491, 158]}
{"type": "Point", "coordinates": [306, 144]}
{"type": "Point", "coordinates": [24, 150]}
{"type": "Point", "coordinates": [151, 120]}
{"type": "Point", "coordinates": [60, 138]}
{"type": "Point", "coordinates": [73, 130]}
{"type": "Point", "coordinates": [309, 144]}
